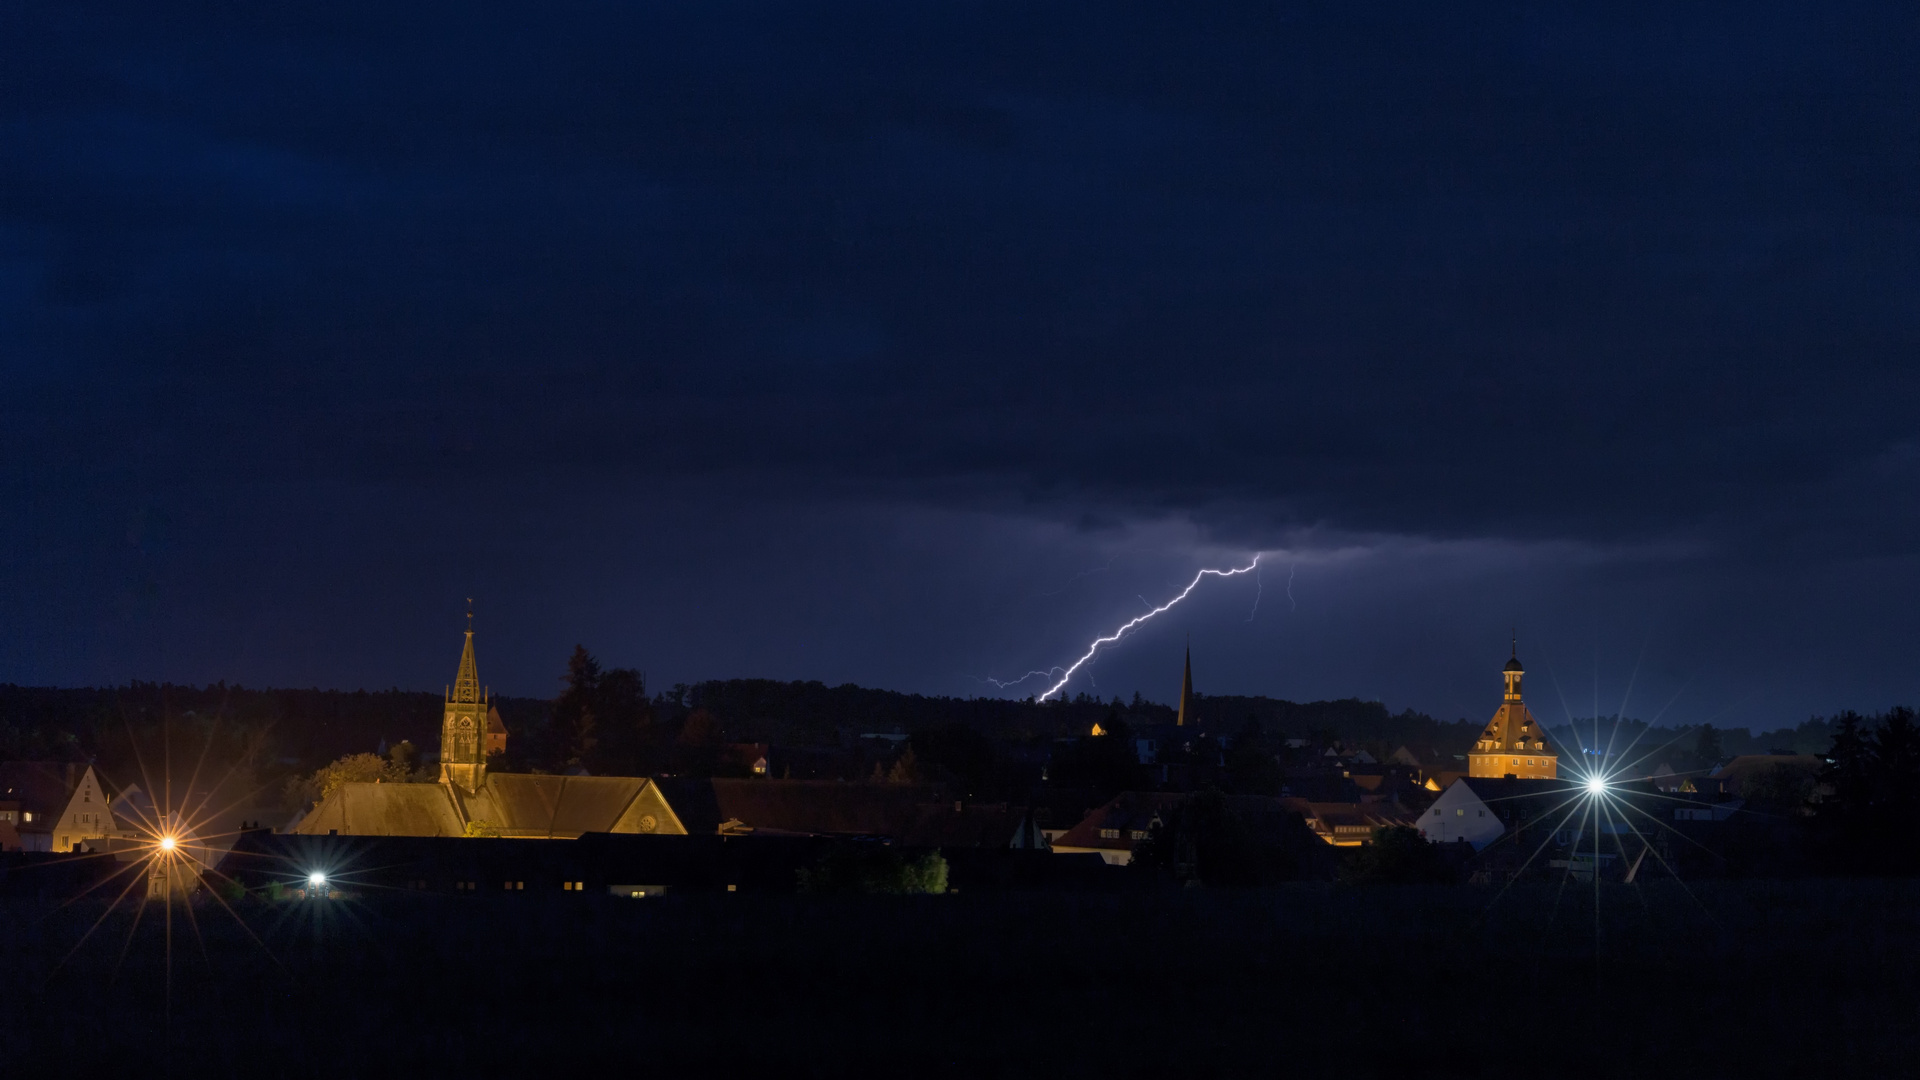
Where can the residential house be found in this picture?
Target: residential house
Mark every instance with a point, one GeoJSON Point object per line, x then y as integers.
{"type": "Point", "coordinates": [1112, 830]}
{"type": "Point", "coordinates": [58, 805]}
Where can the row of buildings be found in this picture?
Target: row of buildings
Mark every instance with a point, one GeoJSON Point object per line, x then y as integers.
{"type": "Point", "coordinates": [1511, 778]}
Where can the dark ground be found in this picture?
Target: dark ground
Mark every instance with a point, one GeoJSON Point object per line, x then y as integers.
{"type": "Point", "coordinates": [1753, 979]}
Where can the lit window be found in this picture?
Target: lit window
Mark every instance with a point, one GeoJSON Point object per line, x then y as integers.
{"type": "Point", "coordinates": [1462, 812]}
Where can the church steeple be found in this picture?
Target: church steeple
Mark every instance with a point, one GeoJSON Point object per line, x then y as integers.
{"type": "Point", "coordinates": [466, 684]}
{"type": "Point", "coordinates": [1186, 692]}
{"type": "Point", "coordinates": [463, 725]}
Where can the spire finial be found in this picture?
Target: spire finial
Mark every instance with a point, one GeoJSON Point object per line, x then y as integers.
{"type": "Point", "coordinates": [1516, 640]}
{"type": "Point", "coordinates": [469, 614]}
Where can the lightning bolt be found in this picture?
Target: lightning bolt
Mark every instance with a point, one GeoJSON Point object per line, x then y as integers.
{"type": "Point", "coordinates": [1004, 683]}
{"type": "Point", "coordinates": [1290, 570]}
{"type": "Point", "coordinates": [1138, 619]}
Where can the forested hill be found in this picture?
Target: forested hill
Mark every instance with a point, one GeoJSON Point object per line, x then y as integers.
{"type": "Point", "coordinates": [294, 728]}
{"type": "Point", "coordinates": [762, 709]}
{"type": "Point", "coordinates": [303, 728]}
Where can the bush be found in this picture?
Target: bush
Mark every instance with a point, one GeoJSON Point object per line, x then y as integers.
{"type": "Point", "coordinates": [875, 868]}
{"type": "Point", "coordinates": [1213, 840]}
{"type": "Point", "coordinates": [1398, 855]}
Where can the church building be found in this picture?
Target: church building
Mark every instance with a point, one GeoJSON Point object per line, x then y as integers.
{"type": "Point", "coordinates": [469, 802]}
{"type": "Point", "coordinates": [1514, 743]}
{"type": "Point", "coordinates": [472, 801]}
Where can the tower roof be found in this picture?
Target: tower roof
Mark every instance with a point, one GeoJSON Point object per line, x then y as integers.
{"type": "Point", "coordinates": [1514, 665]}
{"type": "Point", "coordinates": [1186, 693]}
{"type": "Point", "coordinates": [1513, 730]}
{"type": "Point", "coordinates": [466, 685]}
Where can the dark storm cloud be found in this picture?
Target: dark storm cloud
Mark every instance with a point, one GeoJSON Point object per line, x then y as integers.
{"type": "Point", "coordinates": [1403, 267]}
{"type": "Point", "coordinates": [1610, 275]}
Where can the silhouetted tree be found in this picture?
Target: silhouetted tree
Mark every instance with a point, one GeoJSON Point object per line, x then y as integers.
{"type": "Point", "coordinates": [958, 754]}
{"type": "Point", "coordinates": [1106, 763]}
{"type": "Point", "coordinates": [622, 725]}
{"type": "Point", "coordinates": [1250, 763]}
{"type": "Point", "coordinates": [696, 751]}
{"type": "Point", "coordinates": [1866, 792]}
{"type": "Point", "coordinates": [1398, 855]}
{"type": "Point", "coordinates": [1707, 750]}
{"type": "Point", "coordinates": [1210, 840]}
{"type": "Point", "coordinates": [576, 712]}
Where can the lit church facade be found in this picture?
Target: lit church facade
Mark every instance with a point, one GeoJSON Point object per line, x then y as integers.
{"type": "Point", "coordinates": [1514, 743]}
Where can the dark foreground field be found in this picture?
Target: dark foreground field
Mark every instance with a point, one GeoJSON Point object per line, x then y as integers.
{"type": "Point", "coordinates": [1754, 979]}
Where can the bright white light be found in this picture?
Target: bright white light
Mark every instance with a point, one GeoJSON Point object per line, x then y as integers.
{"type": "Point", "coordinates": [316, 879]}
{"type": "Point", "coordinates": [1596, 785]}
{"type": "Point", "coordinates": [167, 843]}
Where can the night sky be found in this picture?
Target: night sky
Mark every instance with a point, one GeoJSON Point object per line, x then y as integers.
{"type": "Point", "coordinates": [915, 344]}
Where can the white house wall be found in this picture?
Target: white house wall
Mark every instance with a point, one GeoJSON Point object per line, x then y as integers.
{"type": "Point", "coordinates": [87, 816]}
{"type": "Point", "coordinates": [1458, 814]}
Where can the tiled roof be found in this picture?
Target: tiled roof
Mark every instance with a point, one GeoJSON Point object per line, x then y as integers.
{"type": "Point", "coordinates": [556, 806]}
{"type": "Point", "coordinates": [814, 807]}
{"type": "Point", "coordinates": [1127, 816]}
{"type": "Point", "coordinates": [43, 788]}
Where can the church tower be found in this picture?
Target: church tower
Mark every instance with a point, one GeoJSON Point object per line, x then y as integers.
{"type": "Point", "coordinates": [1186, 693]}
{"type": "Point", "coordinates": [1514, 743]}
{"type": "Point", "coordinates": [463, 751]}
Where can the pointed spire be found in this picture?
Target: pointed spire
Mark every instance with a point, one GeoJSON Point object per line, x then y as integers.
{"type": "Point", "coordinates": [466, 685]}
{"type": "Point", "coordinates": [1186, 690]}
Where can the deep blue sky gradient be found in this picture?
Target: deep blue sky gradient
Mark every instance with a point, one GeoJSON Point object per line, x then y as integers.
{"type": "Point", "coordinates": [916, 344]}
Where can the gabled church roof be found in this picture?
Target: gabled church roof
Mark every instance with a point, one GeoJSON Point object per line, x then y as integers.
{"type": "Point", "coordinates": [522, 804]}
{"type": "Point", "coordinates": [386, 810]}
{"type": "Point", "coordinates": [507, 804]}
